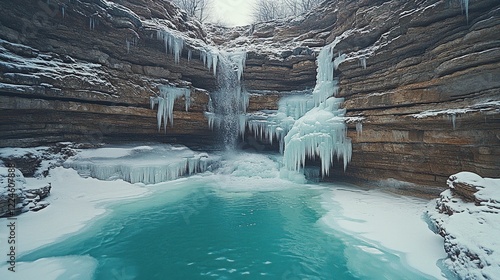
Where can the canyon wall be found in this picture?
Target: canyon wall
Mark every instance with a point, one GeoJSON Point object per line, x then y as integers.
{"type": "Point", "coordinates": [423, 75]}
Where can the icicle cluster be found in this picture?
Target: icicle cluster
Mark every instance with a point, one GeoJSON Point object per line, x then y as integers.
{"type": "Point", "coordinates": [166, 101]}
{"type": "Point", "coordinates": [148, 165]}
{"type": "Point", "coordinates": [322, 130]}
{"type": "Point", "coordinates": [270, 125]}
{"type": "Point", "coordinates": [173, 44]}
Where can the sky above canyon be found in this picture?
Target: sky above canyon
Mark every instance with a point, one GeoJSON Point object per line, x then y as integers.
{"type": "Point", "coordinates": [233, 12]}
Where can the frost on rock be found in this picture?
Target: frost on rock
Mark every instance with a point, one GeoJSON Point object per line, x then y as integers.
{"type": "Point", "coordinates": [467, 215]}
{"type": "Point", "coordinates": [322, 130]}
{"type": "Point", "coordinates": [143, 164]}
{"type": "Point", "coordinates": [166, 100]}
{"type": "Point", "coordinates": [452, 114]}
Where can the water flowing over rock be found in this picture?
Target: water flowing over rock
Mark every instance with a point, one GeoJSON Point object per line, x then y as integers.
{"type": "Point", "coordinates": [418, 79]}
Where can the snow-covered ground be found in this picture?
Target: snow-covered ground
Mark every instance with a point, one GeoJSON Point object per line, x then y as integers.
{"type": "Point", "coordinates": [387, 221]}
{"type": "Point", "coordinates": [75, 202]}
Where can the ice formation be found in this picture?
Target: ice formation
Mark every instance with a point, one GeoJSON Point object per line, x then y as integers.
{"type": "Point", "coordinates": [173, 43]}
{"type": "Point", "coordinates": [465, 6]}
{"type": "Point", "coordinates": [166, 100]}
{"type": "Point", "coordinates": [269, 125]}
{"type": "Point", "coordinates": [144, 164]}
{"type": "Point", "coordinates": [322, 130]}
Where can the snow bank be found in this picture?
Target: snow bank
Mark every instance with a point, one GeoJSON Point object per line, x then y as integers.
{"type": "Point", "coordinates": [74, 203]}
{"type": "Point", "coordinates": [71, 267]}
{"type": "Point", "coordinates": [386, 222]}
{"type": "Point", "coordinates": [470, 228]}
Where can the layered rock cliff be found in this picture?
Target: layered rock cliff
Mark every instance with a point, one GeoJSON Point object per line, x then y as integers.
{"type": "Point", "coordinates": [421, 74]}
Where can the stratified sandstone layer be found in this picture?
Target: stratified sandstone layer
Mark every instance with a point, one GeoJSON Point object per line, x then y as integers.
{"type": "Point", "coordinates": [84, 70]}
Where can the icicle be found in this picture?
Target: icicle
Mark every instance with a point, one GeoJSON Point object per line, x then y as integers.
{"type": "Point", "coordinates": [190, 55]}
{"type": "Point", "coordinates": [465, 4]}
{"type": "Point", "coordinates": [359, 128]}
{"type": "Point", "coordinates": [215, 58]}
{"type": "Point", "coordinates": [63, 10]}
{"type": "Point", "coordinates": [362, 60]}
{"type": "Point", "coordinates": [239, 59]}
{"type": "Point", "coordinates": [173, 43]}
{"type": "Point", "coordinates": [166, 101]}
{"type": "Point", "coordinates": [187, 99]}
{"type": "Point", "coordinates": [91, 23]}
{"type": "Point", "coordinates": [243, 124]}
{"type": "Point", "coordinates": [453, 120]}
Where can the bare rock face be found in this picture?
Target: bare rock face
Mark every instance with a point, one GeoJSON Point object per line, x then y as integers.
{"type": "Point", "coordinates": [421, 74]}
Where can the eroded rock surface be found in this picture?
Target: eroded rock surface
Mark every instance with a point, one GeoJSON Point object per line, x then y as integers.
{"type": "Point", "coordinates": [422, 75]}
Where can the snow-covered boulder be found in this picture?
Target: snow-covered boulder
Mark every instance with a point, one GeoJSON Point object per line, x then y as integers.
{"type": "Point", "coordinates": [11, 191]}
{"type": "Point", "coordinates": [467, 215]}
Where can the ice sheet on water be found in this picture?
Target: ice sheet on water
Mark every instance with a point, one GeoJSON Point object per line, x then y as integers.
{"type": "Point", "coordinates": [145, 164]}
{"type": "Point", "coordinates": [69, 267]}
{"type": "Point", "coordinates": [387, 224]}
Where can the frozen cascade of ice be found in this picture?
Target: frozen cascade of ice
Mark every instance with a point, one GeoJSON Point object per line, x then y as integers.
{"type": "Point", "coordinates": [166, 100]}
{"type": "Point", "coordinates": [269, 125]}
{"type": "Point", "coordinates": [322, 130]}
{"type": "Point", "coordinates": [228, 104]}
{"type": "Point", "coordinates": [144, 164]}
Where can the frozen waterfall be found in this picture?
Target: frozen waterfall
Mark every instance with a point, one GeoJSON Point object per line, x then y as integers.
{"type": "Point", "coordinates": [322, 130]}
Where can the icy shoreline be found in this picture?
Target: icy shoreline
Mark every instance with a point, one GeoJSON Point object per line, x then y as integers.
{"type": "Point", "coordinates": [377, 218]}
{"type": "Point", "coordinates": [467, 215]}
{"type": "Point", "coordinates": [386, 221]}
